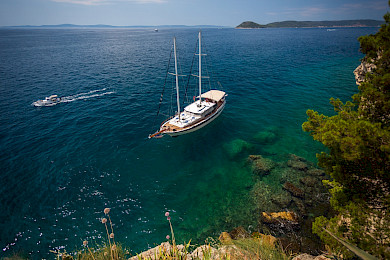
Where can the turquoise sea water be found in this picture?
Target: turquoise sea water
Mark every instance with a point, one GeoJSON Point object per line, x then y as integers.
{"type": "Point", "coordinates": [61, 166]}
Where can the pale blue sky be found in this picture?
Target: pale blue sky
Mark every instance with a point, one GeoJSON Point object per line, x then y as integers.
{"type": "Point", "coordinates": [184, 12]}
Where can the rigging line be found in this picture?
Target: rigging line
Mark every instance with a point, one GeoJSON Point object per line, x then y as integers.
{"type": "Point", "coordinates": [207, 68]}
{"type": "Point", "coordinates": [213, 78]}
{"type": "Point", "coordinates": [189, 74]}
{"type": "Point", "coordinates": [165, 81]}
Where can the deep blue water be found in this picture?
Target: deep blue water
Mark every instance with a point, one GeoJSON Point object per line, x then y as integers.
{"type": "Point", "coordinates": [61, 166]}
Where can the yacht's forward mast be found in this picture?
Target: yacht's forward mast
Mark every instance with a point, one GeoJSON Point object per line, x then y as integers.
{"type": "Point", "coordinates": [177, 78]}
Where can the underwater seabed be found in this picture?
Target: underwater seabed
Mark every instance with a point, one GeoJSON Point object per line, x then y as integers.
{"type": "Point", "coordinates": [255, 175]}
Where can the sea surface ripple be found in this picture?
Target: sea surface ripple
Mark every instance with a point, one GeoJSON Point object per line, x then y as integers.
{"type": "Point", "coordinates": [61, 166]}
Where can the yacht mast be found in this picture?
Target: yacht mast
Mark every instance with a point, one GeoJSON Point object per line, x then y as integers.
{"type": "Point", "coordinates": [200, 69]}
{"type": "Point", "coordinates": [177, 78]}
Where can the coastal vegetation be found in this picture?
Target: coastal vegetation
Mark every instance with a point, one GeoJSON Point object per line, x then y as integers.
{"type": "Point", "coordinates": [358, 157]}
{"type": "Point", "coordinates": [302, 24]}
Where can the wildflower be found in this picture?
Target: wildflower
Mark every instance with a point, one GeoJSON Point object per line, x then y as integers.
{"type": "Point", "coordinates": [106, 211]}
{"type": "Point", "coordinates": [112, 235]}
{"type": "Point", "coordinates": [167, 214]}
{"type": "Point", "coordinates": [85, 242]}
{"type": "Point", "coordinates": [167, 237]}
{"type": "Point", "coordinates": [104, 220]}
{"type": "Point", "coordinates": [168, 218]}
{"type": "Point", "coordinates": [113, 248]}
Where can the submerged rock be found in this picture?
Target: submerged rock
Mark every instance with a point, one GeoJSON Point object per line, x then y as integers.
{"type": "Point", "coordinates": [265, 137]}
{"type": "Point", "coordinates": [300, 205]}
{"type": "Point", "coordinates": [236, 146]}
{"type": "Point", "coordinates": [316, 172]}
{"type": "Point", "coordinates": [260, 165]}
{"type": "Point", "coordinates": [283, 200]}
{"type": "Point", "coordinates": [295, 157]}
{"type": "Point", "coordinates": [294, 190]}
{"type": "Point", "coordinates": [309, 181]}
{"type": "Point", "coordinates": [297, 165]}
{"type": "Point", "coordinates": [261, 194]}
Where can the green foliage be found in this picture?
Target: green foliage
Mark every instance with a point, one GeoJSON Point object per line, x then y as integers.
{"type": "Point", "coordinates": [319, 226]}
{"type": "Point", "coordinates": [358, 139]}
{"type": "Point", "coordinates": [357, 251]}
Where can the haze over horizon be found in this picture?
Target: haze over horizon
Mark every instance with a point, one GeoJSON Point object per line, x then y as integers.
{"type": "Point", "coordinates": [183, 12]}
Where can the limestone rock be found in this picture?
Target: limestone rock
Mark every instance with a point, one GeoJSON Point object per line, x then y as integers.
{"type": "Point", "coordinates": [361, 71]}
{"type": "Point", "coordinates": [294, 190]}
{"type": "Point", "coordinates": [310, 257]}
{"type": "Point", "coordinates": [238, 233]}
{"type": "Point", "coordinates": [269, 239]}
{"type": "Point", "coordinates": [236, 146]}
{"type": "Point", "coordinates": [279, 217]}
{"type": "Point", "coordinates": [227, 252]}
{"type": "Point", "coordinates": [225, 238]}
{"type": "Point", "coordinates": [304, 257]}
{"type": "Point", "coordinates": [260, 165]}
{"type": "Point", "coordinates": [151, 253]}
{"type": "Point", "coordinates": [203, 252]}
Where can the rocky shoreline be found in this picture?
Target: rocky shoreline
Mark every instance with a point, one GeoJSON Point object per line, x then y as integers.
{"type": "Point", "coordinates": [287, 210]}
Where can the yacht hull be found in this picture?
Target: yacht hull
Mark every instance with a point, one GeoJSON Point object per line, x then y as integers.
{"type": "Point", "coordinates": [198, 125]}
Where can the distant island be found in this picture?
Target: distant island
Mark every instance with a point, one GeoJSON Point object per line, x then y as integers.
{"type": "Point", "coordinates": [250, 25]}
{"type": "Point", "coordinates": [303, 24]}
{"type": "Point", "coordinates": [105, 26]}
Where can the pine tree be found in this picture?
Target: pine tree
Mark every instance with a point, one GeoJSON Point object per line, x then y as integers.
{"type": "Point", "coordinates": [358, 141]}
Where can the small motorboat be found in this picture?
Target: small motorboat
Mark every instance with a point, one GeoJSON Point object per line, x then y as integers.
{"type": "Point", "coordinates": [48, 101]}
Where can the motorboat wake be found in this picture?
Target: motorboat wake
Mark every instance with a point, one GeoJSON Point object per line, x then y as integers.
{"type": "Point", "coordinates": [54, 99]}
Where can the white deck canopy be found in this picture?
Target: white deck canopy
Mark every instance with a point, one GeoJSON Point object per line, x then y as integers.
{"type": "Point", "coordinates": [215, 95]}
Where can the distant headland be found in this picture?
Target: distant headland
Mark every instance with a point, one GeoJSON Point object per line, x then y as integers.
{"type": "Point", "coordinates": [304, 24]}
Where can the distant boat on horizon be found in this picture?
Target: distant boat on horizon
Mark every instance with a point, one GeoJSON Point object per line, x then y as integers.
{"type": "Point", "coordinates": [205, 108]}
{"type": "Point", "coordinates": [156, 30]}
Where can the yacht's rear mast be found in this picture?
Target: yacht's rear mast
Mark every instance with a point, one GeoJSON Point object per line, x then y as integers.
{"type": "Point", "coordinates": [200, 68]}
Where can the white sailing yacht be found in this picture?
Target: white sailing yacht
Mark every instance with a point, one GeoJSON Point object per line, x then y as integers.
{"type": "Point", "coordinates": [205, 108]}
